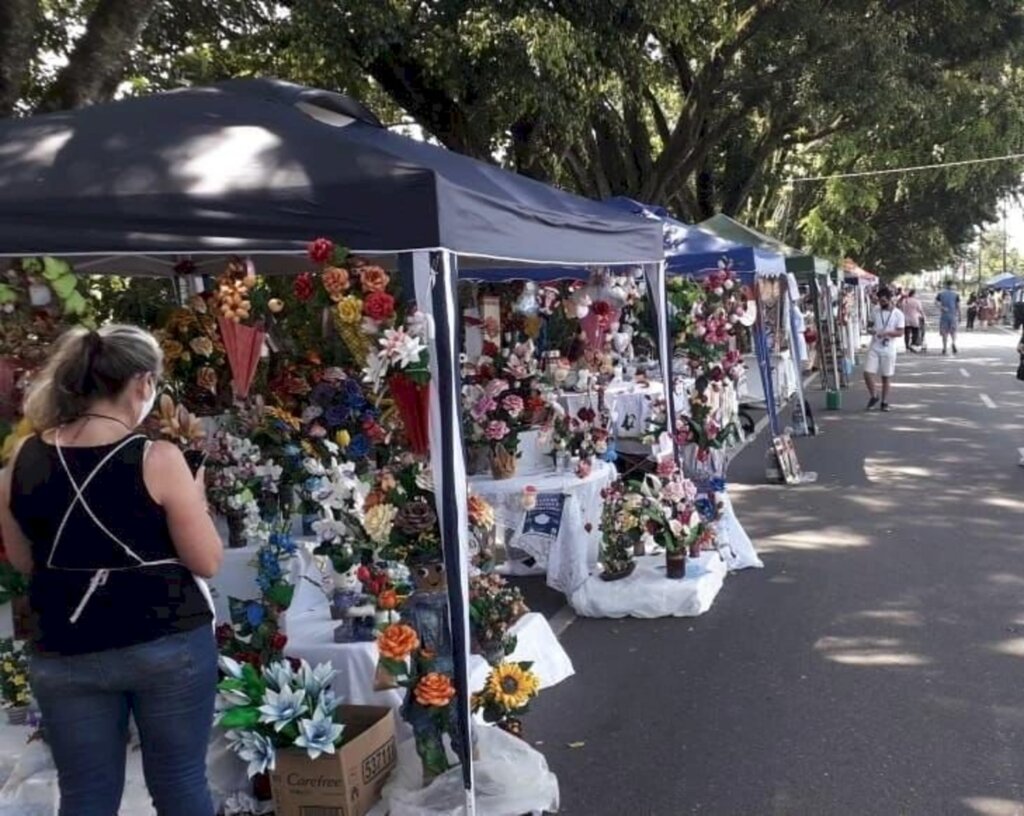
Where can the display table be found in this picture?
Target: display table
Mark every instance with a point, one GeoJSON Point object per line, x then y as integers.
{"type": "Point", "coordinates": [647, 593]}
{"type": "Point", "coordinates": [628, 402]}
{"type": "Point", "coordinates": [311, 637]}
{"type": "Point", "coordinates": [784, 378]}
{"type": "Point", "coordinates": [557, 535]}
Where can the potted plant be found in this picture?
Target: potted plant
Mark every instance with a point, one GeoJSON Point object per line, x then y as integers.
{"type": "Point", "coordinates": [494, 416]}
{"type": "Point", "coordinates": [620, 532]}
{"type": "Point", "coordinates": [494, 607]}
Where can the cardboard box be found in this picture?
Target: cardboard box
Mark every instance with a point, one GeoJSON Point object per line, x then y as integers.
{"type": "Point", "coordinates": [347, 783]}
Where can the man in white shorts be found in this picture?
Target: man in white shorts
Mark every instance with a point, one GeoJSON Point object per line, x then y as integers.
{"type": "Point", "coordinates": [881, 361]}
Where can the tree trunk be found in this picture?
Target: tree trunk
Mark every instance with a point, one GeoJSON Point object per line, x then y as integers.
{"type": "Point", "coordinates": [99, 58]}
{"type": "Point", "coordinates": [18, 21]}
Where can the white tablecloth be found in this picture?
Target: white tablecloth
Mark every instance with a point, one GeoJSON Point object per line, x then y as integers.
{"type": "Point", "coordinates": [629, 403]}
{"type": "Point", "coordinates": [570, 557]}
{"type": "Point", "coordinates": [784, 376]}
{"type": "Point", "coordinates": [647, 593]}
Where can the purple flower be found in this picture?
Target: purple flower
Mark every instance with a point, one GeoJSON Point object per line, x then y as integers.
{"type": "Point", "coordinates": [496, 430]}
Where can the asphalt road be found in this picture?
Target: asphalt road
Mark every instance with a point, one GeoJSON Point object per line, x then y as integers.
{"type": "Point", "coordinates": [875, 666]}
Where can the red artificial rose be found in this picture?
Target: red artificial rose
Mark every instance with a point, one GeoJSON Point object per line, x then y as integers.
{"type": "Point", "coordinates": [489, 349]}
{"type": "Point", "coordinates": [586, 414]}
{"type": "Point", "coordinates": [278, 641]}
{"type": "Point", "coordinates": [374, 431]}
{"type": "Point", "coordinates": [303, 287]}
{"type": "Point", "coordinates": [379, 306]}
{"type": "Point", "coordinates": [321, 250]}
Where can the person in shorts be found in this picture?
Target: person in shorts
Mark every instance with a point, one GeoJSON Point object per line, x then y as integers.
{"type": "Point", "coordinates": [889, 324]}
{"type": "Point", "coordinates": [949, 319]}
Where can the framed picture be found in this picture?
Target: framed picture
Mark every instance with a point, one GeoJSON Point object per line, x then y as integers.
{"type": "Point", "coordinates": [789, 464]}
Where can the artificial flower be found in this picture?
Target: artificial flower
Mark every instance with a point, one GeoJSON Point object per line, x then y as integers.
{"type": "Point", "coordinates": [379, 306]}
{"type": "Point", "coordinates": [434, 690]}
{"type": "Point", "coordinates": [203, 346]}
{"type": "Point", "coordinates": [279, 675]}
{"type": "Point", "coordinates": [416, 518]}
{"type": "Point", "coordinates": [511, 686]}
{"type": "Point", "coordinates": [350, 310]}
{"type": "Point", "coordinates": [400, 348]}
{"type": "Point", "coordinates": [282, 707]}
{"type": "Point", "coordinates": [316, 679]}
{"type": "Point", "coordinates": [387, 600]}
{"type": "Point", "coordinates": [425, 480]}
{"type": "Point", "coordinates": [318, 735]}
{"type": "Point", "coordinates": [172, 350]}
{"type": "Point", "coordinates": [496, 430]}
{"type": "Point", "coordinates": [513, 403]}
{"type": "Point", "coordinates": [481, 513]}
{"type": "Point", "coordinates": [303, 287]}
{"type": "Point", "coordinates": [378, 522]}
{"type": "Point", "coordinates": [342, 438]}
{"type": "Point", "coordinates": [206, 378]}
{"type": "Point", "coordinates": [398, 641]}
{"type": "Point", "coordinates": [335, 281]}
{"type": "Point", "coordinates": [275, 305]}
{"type": "Point", "coordinates": [321, 250]}
{"type": "Point", "coordinates": [255, 749]}
{"type": "Point", "coordinates": [374, 279]}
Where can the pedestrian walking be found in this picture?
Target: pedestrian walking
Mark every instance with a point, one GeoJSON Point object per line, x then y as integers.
{"type": "Point", "coordinates": [913, 313]}
{"type": "Point", "coordinates": [888, 324]}
{"type": "Point", "coordinates": [949, 317]}
{"type": "Point", "coordinates": [972, 310]}
{"type": "Point", "coordinates": [113, 529]}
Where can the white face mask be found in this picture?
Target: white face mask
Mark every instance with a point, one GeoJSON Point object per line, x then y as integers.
{"type": "Point", "coordinates": [147, 407]}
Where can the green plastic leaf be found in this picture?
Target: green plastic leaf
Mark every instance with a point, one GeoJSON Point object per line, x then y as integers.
{"type": "Point", "coordinates": [75, 304]}
{"type": "Point", "coordinates": [281, 595]}
{"type": "Point", "coordinates": [54, 268]}
{"type": "Point", "coordinates": [7, 293]}
{"type": "Point", "coordinates": [32, 266]}
{"type": "Point", "coordinates": [243, 718]}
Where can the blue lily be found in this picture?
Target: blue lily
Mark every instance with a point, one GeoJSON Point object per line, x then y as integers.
{"type": "Point", "coordinates": [318, 735]}
{"type": "Point", "coordinates": [282, 707]}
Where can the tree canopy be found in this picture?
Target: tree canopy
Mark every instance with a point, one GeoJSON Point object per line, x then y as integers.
{"type": "Point", "coordinates": [703, 106]}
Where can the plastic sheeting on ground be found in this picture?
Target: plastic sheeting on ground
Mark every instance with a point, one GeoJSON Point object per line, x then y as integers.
{"type": "Point", "coordinates": [511, 779]}
{"type": "Point", "coordinates": [647, 593]}
{"type": "Point", "coordinates": [733, 541]}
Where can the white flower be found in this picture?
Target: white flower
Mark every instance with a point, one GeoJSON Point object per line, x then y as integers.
{"type": "Point", "coordinates": [282, 707]}
{"type": "Point", "coordinates": [279, 674]}
{"type": "Point", "coordinates": [318, 736]}
{"type": "Point", "coordinates": [425, 480]}
{"type": "Point", "coordinates": [254, 748]}
{"type": "Point", "coordinates": [375, 370]}
{"type": "Point", "coordinates": [230, 667]}
{"type": "Point", "coordinates": [400, 348]}
{"type": "Point", "coordinates": [316, 680]}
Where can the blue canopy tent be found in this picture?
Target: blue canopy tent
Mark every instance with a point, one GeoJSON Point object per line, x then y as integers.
{"type": "Point", "coordinates": [1008, 284]}
{"type": "Point", "coordinates": [259, 168]}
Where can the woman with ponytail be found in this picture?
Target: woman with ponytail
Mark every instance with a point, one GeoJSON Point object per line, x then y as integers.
{"type": "Point", "coordinates": [114, 532]}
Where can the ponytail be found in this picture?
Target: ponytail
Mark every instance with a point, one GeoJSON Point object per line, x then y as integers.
{"type": "Point", "coordinates": [87, 366]}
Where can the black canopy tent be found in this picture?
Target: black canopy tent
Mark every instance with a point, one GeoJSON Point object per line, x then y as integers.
{"type": "Point", "coordinates": [258, 168]}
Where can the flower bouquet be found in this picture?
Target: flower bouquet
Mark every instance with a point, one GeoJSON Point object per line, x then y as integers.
{"type": "Point", "coordinates": [276, 709]}
{"type": "Point", "coordinates": [339, 413]}
{"type": "Point", "coordinates": [494, 414]}
{"type": "Point", "coordinates": [494, 607]}
{"type": "Point", "coordinates": [506, 696]}
{"type": "Point", "coordinates": [194, 355]}
{"type": "Point", "coordinates": [402, 362]}
{"type": "Point", "coordinates": [620, 533]}
{"type": "Point", "coordinates": [235, 475]}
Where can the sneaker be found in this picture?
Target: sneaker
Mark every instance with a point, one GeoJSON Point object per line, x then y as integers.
{"type": "Point", "coordinates": [872, 403]}
{"type": "Point", "coordinates": [885, 406]}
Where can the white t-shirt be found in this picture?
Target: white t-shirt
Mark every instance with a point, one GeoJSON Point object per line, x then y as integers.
{"type": "Point", "coordinates": [887, 320]}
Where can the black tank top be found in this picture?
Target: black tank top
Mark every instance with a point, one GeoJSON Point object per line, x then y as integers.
{"type": "Point", "coordinates": [135, 605]}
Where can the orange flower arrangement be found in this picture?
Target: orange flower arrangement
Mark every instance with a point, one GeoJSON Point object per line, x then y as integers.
{"type": "Point", "coordinates": [434, 689]}
{"type": "Point", "coordinates": [398, 641]}
{"type": "Point", "coordinates": [387, 600]}
{"type": "Point", "coordinates": [374, 279]}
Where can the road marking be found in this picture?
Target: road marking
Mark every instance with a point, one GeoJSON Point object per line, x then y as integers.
{"type": "Point", "coordinates": [965, 372]}
{"type": "Point", "coordinates": [1021, 452]}
{"type": "Point", "coordinates": [987, 400]}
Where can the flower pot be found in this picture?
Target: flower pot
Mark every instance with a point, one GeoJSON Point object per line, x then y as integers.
{"type": "Point", "coordinates": [413, 402]}
{"type": "Point", "coordinates": [236, 530]}
{"type": "Point", "coordinates": [675, 564]}
{"type": "Point", "coordinates": [503, 463]}
{"type": "Point", "coordinates": [619, 573]}
{"type": "Point", "coordinates": [17, 715]}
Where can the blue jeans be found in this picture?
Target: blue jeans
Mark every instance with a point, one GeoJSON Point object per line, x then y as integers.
{"type": "Point", "coordinates": [168, 685]}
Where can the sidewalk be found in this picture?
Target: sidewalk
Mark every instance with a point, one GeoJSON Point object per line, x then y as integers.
{"type": "Point", "coordinates": [873, 667]}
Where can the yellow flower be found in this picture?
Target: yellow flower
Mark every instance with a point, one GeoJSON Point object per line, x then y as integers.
{"type": "Point", "coordinates": [378, 522]}
{"type": "Point", "coordinates": [343, 438]}
{"type": "Point", "coordinates": [512, 686]}
{"type": "Point", "coordinates": [289, 419]}
{"type": "Point", "coordinates": [350, 310]}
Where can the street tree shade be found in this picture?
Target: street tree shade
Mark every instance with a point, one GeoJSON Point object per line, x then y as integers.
{"type": "Point", "coordinates": [259, 168]}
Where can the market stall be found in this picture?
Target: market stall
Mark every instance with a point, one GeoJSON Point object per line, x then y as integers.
{"type": "Point", "coordinates": [242, 176]}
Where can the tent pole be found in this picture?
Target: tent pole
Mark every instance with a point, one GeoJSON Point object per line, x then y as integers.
{"type": "Point", "coordinates": [435, 279]}
{"type": "Point", "coordinates": [654, 274]}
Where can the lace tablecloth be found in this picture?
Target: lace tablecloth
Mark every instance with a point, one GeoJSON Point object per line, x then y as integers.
{"type": "Point", "coordinates": [569, 550]}
{"type": "Point", "coordinates": [629, 403]}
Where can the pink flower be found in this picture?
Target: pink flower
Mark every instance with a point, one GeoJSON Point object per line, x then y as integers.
{"type": "Point", "coordinates": [513, 404]}
{"type": "Point", "coordinates": [495, 388]}
{"type": "Point", "coordinates": [666, 467]}
{"type": "Point", "coordinates": [482, 407]}
{"type": "Point", "coordinates": [496, 430]}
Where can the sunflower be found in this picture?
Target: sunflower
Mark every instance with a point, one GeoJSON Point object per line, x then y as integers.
{"type": "Point", "coordinates": [511, 686]}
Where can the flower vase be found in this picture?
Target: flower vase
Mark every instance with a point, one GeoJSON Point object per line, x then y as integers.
{"type": "Point", "coordinates": [270, 506]}
{"type": "Point", "coordinates": [639, 548]}
{"type": "Point", "coordinates": [503, 463]}
{"type": "Point", "coordinates": [617, 571]}
{"type": "Point", "coordinates": [236, 530]}
{"type": "Point", "coordinates": [17, 715]}
{"type": "Point", "coordinates": [413, 402]}
{"type": "Point", "coordinates": [675, 564]}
